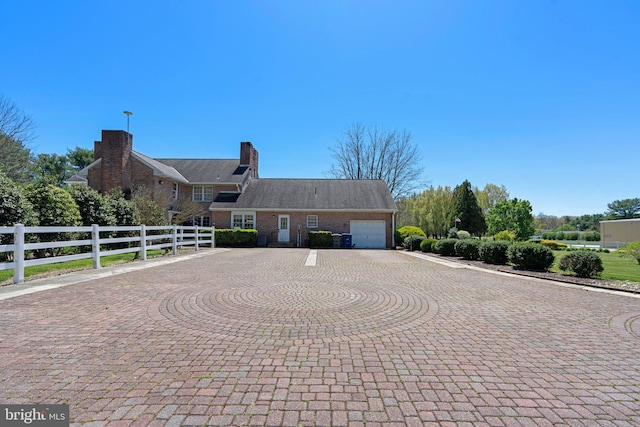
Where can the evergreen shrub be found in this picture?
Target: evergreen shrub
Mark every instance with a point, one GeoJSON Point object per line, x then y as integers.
{"type": "Point", "coordinates": [320, 239]}
{"type": "Point", "coordinates": [412, 243]}
{"type": "Point", "coordinates": [226, 237]}
{"type": "Point", "coordinates": [494, 252]}
{"type": "Point", "coordinates": [427, 245]}
{"type": "Point", "coordinates": [467, 249]}
{"type": "Point", "coordinates": [583, 263]}
{"type": "Point", "coordinates": [445, 247]}
{"type": "Point", "coordinates": [530, 256]}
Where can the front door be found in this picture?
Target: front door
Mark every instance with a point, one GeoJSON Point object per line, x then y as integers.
{"type": "Point", "coordinates": [283, 228]}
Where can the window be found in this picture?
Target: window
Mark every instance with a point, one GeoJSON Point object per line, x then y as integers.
{"type": "Point", "coordinates": [312, 221]}
{"type": "Point", "coordinates": [202, 194]}
{"type": "Point", "coordinates": [243, 220]}
{"type": "Point", "coordinates": [174, 192]}
{"type": "Point", "coordinates": [204, 221]}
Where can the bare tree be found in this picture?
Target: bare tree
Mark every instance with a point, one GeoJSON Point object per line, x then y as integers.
{"type": "Point", "coordinates": [376, 153]}
{"type": "Point", "coordinates": [16, 130]}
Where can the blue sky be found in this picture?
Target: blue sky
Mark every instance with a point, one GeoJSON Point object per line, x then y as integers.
{"type": "Point", "coordinates": [540, 96]}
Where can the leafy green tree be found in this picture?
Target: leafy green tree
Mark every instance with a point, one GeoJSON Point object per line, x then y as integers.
{"type": "Point", "coordinates": [631, 250]}
{"type": "Point", "coordinates": [465, 211]}
{"type": "Point", "coordinates": [79, 158]}
{"type": "Point", "coordinates": [15, 207]}
{"type": "Point", "coordinates": [148, 211]}
{"type": "Point", "coordinates": [93, 207]}
{"type": "Point", "coordinates": [53, 205]}
{"type": "Point", "coordinates": [490, 195]}
{"type": "Point", "coordinates": [512, 215]}
{"type": "Point", "coordinates": [430, 210]}
{"type": "Point", "coordinates": [123, 209]}
{"type": "Point", "coordinates": [623, 209]}
{"type": "Point", "coordinates": [51, 169]}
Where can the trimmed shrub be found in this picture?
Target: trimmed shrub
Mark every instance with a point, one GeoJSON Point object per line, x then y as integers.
{"type": "Point", "coordinates": [592, 236]}
{"type": "Point", "coordinates": [530, 256]}
{"type": "Point", "coordinates": [467, 249]}
{"type": "Point", "coordinates": [406, 231]}
{"type": "Point", "coordinates": [506, 235]}
{"type": "Point", "coordinates": [583, 263]}
{"type": "Point", "coordinates": [320, 239]}
{"type": "Point", "coordinates": [493, 252]}
{"type": "Point", "coordinates": [226, 237]}
{"type": "Point", "coordinates": [552, 244]}
{"type": "Point", "coordinates": [464, 234]}
{"type": "Point", "coordinates": [574, 235]}
{"type": "Point", "coordinates": [445, 247]}
{"type": "Point", "coordinates": [427, 245]}
{"type": "Point", "coordinates": [560, 235]}
{"type": "Point", "coordinates": [412, 242]}
{"type": "Point", "coordinates": [549, 235]}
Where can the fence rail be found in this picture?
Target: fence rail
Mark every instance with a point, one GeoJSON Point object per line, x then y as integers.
{"type": "Point", "coordinates": [94, 242]}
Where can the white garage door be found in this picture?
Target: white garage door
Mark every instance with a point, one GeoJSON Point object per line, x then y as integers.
{"type": "Point", "coordinates": [369, 234]}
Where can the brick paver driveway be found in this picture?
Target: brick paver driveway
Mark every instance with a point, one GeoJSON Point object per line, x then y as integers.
{"type": "Point", "coordinates": [375, 338]}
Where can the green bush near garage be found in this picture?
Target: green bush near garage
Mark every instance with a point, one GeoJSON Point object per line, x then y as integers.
{"type": "Point", "coordinates": [320, 239]}
{"type": "Point", "coordinates": [427, 245]}
{"type": "Point", "coordinates": [229, 238]}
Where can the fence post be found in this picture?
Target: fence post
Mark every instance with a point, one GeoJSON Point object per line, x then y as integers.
{"type": "Point", "coordinates": [143, 242]}
{"type": "Point", "coordinates": [95, 245]}
{"type": "Point", "coordinates": [196, 237]}
{"type": "Point", "coordinates": [213, 236]}
{"type": "Point", "coordinates": [18, 254]}
{"type": "Point", "coordinates": [174, 240]}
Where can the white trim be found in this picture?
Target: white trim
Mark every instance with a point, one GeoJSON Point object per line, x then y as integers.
{"type": "Point", "coordinates": [620, 220]}
{"type": "Point", "coordinates": [243, 213]}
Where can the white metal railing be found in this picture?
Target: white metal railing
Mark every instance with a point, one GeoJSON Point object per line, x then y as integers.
{"type": "Point", "coordinates": [101, 240]}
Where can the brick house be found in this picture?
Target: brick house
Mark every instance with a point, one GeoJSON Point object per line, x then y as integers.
{"type": "Point", "coordinates": [231, 194]}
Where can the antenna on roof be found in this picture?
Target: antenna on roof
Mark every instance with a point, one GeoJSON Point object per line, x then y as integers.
{"type": "Point", "coordinates": [128, 114]}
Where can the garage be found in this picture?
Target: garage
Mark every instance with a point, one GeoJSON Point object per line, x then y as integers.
{"type": "Point", "coordinates": [371, 234]}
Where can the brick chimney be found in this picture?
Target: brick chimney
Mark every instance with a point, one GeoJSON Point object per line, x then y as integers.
{"type": "Point", "coordinates": [115, 168]}
{"type": "Point", "coordinates": [249, 157]}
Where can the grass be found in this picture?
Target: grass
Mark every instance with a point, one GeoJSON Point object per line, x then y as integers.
{"type": "Point", "coordinates": [616, 267]}
{"type": "Point", "coordinates": [6, 276]}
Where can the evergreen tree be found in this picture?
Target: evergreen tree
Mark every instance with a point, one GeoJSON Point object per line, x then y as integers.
{"type": "Point", "coordinates": [466, 213]}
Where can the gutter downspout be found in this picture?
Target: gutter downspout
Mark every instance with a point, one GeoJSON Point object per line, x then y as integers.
{"type": "Point", "coordinates": [393, 230]}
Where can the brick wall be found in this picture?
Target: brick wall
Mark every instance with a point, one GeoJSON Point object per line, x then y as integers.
{"type": "Point", "coordinates": [336, 222]}
{"type": "Point", "coordinates": [249, 156]}
{"type": "Point", "coordinates": [115, 168]}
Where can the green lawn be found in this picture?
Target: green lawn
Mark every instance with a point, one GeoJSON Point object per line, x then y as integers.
{"type": "Point", "coordinates": [615, 266]}
{"type": "Point", "coordinates": [6, 276]}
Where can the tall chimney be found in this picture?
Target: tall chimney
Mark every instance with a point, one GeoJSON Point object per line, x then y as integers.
{"type": "Point", "coordinates": [249, 157]}
{"type": "Point", "coordinates": [115, 150]}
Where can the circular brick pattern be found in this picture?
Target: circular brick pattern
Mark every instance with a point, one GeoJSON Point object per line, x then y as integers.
{"type": "Point", "coordinates": [627, 324]}
{"type": "Point", "coordinates": [294, 311]}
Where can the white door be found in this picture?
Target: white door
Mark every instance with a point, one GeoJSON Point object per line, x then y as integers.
{"type": "Point", "coordinates": [283, 228]}
{"type": "Point", "coordinates": [370, 234]}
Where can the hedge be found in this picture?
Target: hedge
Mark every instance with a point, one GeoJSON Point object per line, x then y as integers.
{"type": "Point", "coordinates": [320, 239]}
{"type": "Point", "coordinates": [467, 249]}
{"type": "Point", "coordinates": [583, 263]}
{"type": "Point", "coordinates": [530, 256]}
{"type": "Point", "coordinates": [494, 252]}
{"type": "Point", "coordinates": [445, 247]}
{"type": "Point", "coordinates": [226, 237]}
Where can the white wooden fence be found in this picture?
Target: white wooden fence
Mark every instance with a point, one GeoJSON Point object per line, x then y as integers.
{"type": "Point", "coordinates": [140, 239]}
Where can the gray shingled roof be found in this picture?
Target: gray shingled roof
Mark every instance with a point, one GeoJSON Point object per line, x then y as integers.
{"type": "Point", "coordinates": [210, 171]}
{"type": "Point", "coordinates": [160, 168]}
{"type": "Point", "coordinates": [313, 195]}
